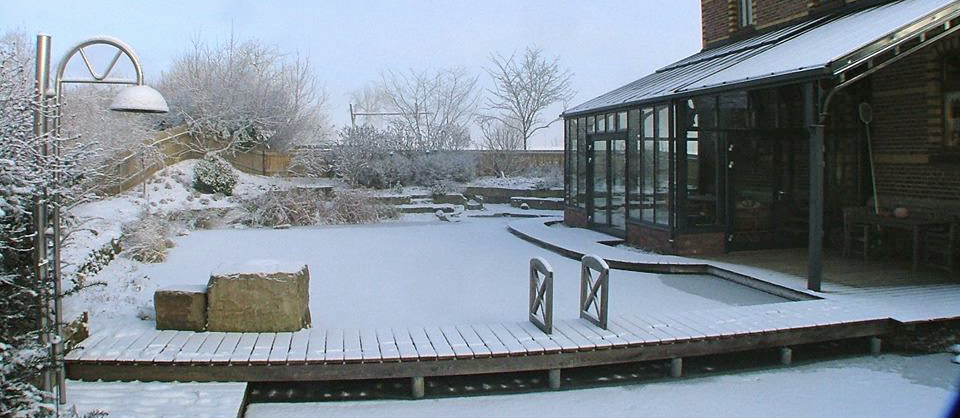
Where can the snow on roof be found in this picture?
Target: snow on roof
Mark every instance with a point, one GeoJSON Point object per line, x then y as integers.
{"type": "Point", "coordinates": [791, 51]}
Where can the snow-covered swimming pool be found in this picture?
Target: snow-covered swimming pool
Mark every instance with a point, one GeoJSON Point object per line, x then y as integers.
{"type": "Point", "coordinates": [406, 274]}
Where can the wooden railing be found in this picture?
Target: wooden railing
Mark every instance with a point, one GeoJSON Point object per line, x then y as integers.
{"type": "Point", "coordinates": [594, 290]}
{"type": "Point", "coordinates": [541, 294]}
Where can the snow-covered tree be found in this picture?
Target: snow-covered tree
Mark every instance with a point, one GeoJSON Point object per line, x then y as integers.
{"type": "Point", "coordinates": [523, 87]}
{"type": "Point", "coordinates": [432, 110]}
{"type": "Point", "coordinates": [22, 355]}
{"type": "Point", "coordinates": [245, 94]}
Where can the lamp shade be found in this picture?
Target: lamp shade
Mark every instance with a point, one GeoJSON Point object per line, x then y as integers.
{"type": "Point", "coordinates": [139, 99]}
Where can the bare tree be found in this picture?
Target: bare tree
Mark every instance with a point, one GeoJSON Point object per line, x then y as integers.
{"type": "Point", "coordinates": [523, 87]}
{"type": "Point", "coordinates": [434, 109]}
{"type": "Point", "coordinates": [498, 136]}
{"type": "Point", "coordinates": [244, 94]}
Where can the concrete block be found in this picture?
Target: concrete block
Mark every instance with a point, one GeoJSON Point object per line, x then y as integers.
{"type": "Point", "coordinates": [181, 308]}
{"type": "Point", "coordinates": [259, 296]}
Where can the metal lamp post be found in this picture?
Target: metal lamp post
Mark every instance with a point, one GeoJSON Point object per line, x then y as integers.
{"type": "Point", "coordinates": [47, 268]}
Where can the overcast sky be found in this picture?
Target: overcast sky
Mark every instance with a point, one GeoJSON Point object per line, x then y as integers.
{"type": "Point", "coordinates": [604, 43]}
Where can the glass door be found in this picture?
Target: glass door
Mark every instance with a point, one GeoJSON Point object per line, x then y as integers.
{"type": "Point", "coordinates": [608, 192]}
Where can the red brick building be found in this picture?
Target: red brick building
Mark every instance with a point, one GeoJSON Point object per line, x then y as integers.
{"type": "Point", "coordinates": [713, 153]}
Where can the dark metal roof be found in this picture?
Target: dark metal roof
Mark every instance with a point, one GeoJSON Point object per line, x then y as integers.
{"type": "Point", "coordinates": [799, 51]}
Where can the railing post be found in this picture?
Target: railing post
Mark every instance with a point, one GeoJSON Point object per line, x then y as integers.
{"type": "Point", "coordinates": [594, 291]}
{"type": "Point", "coordinates": [541, 294]}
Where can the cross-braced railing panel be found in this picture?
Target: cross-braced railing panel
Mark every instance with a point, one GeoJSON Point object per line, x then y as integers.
{"type": "Point", "coordinates": [541, 294]}
{"type": "Point", "coordinates": [594, 290]}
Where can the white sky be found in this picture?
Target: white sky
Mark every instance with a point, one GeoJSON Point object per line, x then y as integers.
{"type": "Point", "coordinates": [604, 43]}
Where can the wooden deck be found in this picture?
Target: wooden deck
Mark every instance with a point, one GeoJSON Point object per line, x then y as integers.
{"type": "Point", "coordinates": [340, 354]}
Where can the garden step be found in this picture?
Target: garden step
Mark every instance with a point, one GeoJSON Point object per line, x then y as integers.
{"type": "Point", "coordinates": [425, 208]}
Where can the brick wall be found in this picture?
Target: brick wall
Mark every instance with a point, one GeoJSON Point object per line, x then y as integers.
{"type": "Point", "coordinates": [720, 18]}
{"type": "Point", "coordinates": [576, 218]}
{"type": "Point", "coordinates": [908, 131]}
{"type": "Point", "coordinates": [649, 238]}
{"type": "Point", "coordinates": [713, 20]}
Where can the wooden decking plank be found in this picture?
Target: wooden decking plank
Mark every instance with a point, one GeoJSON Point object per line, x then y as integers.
{"type": "Point", "coordinates": [440, 344]}
{"type": "Point", "coordinates": [262, 348]}
{"type": "Point", "coordinates": [111, 350]}
{"type": "Point", "coordinates": [298, 347]}
{"type": "Point", "coordinates": [718, 322]}
{"type": "Point", "coordinates": [405, 346]}
{"type": "Point", "coordinates": [514, 347]}
{"type": "Point", "coordinates": [226, 347]}
{"type": "Point", "coordinates": [333, 352]}
{"type": "Point", "coordinates": [369, 346]}
{"type": "Point", "coordinates": [316, 346]}
{"type": "Point", "coordinates": [551, 343]}
{"type": "Point", "coordinates": [682, 324]}
{"type": "Point", "coordinates": [352, 350]}
{"type": "Point", "coordinates": [133, 352]}
{"type": "Point", "coordinates": [169, 352]}
{"type": "Point", "coordinates": [189, 350]}
{"type": "Point", "coordinates": [493, 343]}
{"type": "Point", "coordinates": [631, 336]}
{"type": "Point", "coordinates": [280, 349]}
{"type": "Point", "coordinates": [86, 345]}
{"type": "Point", "coordinates": [652, 327]}
{"type": "Point", "coordinates": [459, 345]}
{"type": "Point", "coordinates": [647, 335]}
{"type": "Point", "coordinates": [389, 350]}
{"type": "Point", "coordinates": [149, 354]}
{"type": "Point", "coordinates": [209, 347]}
{"type": "Point", "coordinates": [524, 338]}
{"type": "Point", "coordinates": [474, 341]}
{"type": "Point", "coordinates": [421, 342]}
{"type": "Point", "coordinates": [241, 355]}
{"type": "Point", "coordinates": [594, 332]}
{"type": "Point", "coordinates": [585, 344]}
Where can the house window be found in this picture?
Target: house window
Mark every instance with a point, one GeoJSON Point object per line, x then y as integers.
{"type": "Point", "coordinates": [590, 124]}
{"type": "Point", "coordinates": [951, 101]}
{"type": "Point", "coordinates": [746, 13]}
{"type": "Point", "coordinates": [601, 124]}
{"type": "Point", "coordinates": [622, 121]}
{"type": "Point", "coordinates": [572, 162]}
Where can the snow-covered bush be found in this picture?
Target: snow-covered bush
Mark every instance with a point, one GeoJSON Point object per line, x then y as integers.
{"type": "Point", "coordinates": [430, 168]}
{"type": "Point", "coordinates": [147, 240]}
{"type": "Point", "coordinates": [551, 177]}
{"type": "Point", "coordinates": [213, 174]}
{"type": "Point", "coordinates": [295, 207]}
{"type": "Point", "coordinates": [356, 207]}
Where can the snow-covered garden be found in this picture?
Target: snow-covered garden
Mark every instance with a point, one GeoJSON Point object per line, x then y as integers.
{"type": "Point", "coordinates": [418, 270]}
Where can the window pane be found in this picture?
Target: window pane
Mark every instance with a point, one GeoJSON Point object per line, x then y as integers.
{"type": "Point", "coordinates": [662, 183]}
{"type": "Point", "coordinates": [663, 122]}
{"type": "Point", "coordinates": [601, 123]}
{"type": "Point", "coordinates": [633, 176]}
{"type": "Point", "coordinates": [590, 124]}
{"type": "Point", "coordinates": [571, 162]}
{"type": "Point", "coordinates": [648, 123]}
{"type": "Point", "coordinates": [622, 121]}
{"type": "Point", "coordinates": [734, 113]}
{"type": "Point", "coordinates": [648, 169]}
{"type": "Point", "coordinates": [701, 188]}
{"type": "Point", "coordinates": [582, 163]}
{"type": "Point", "coordinates": [611, 122]}
{"type": "Point", "coordinates": [618, 189]}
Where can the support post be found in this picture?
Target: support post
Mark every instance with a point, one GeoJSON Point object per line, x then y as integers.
{"type": "Point", "coordinates": [876, 344]}
{"type": "Point", "coordinates": [416, 387]}
{"type": "Point", "coordinates": [676, 367]}
{"type": "Point", "coordinates": [786, 356]}
{"type": "Point", "coordinates": [554, 378]}
{"type": "Point", "coordinates": [815, 235]}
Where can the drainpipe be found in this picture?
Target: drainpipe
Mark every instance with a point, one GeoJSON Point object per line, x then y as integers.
{"type": "Point", "coordinates": [815, 233]}
{"type": "Point", "coordinates": [817, 150]}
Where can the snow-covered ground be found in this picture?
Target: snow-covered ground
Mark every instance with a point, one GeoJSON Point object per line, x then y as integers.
{"type": "Point", "coordinates": [886, 386]}
{"type": "Point", "coordinates": [421, 271]}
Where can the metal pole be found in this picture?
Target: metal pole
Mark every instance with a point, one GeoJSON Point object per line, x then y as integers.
{"type": "Point", "coordinates": [815, 233]}
{"type": "Point", "coordinates": [41, 132]}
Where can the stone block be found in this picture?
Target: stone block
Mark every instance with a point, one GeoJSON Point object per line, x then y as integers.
{"type": "Point", "coordinates": [181, 308]}
{"type": "Point", "coordinates": [259, 296]}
